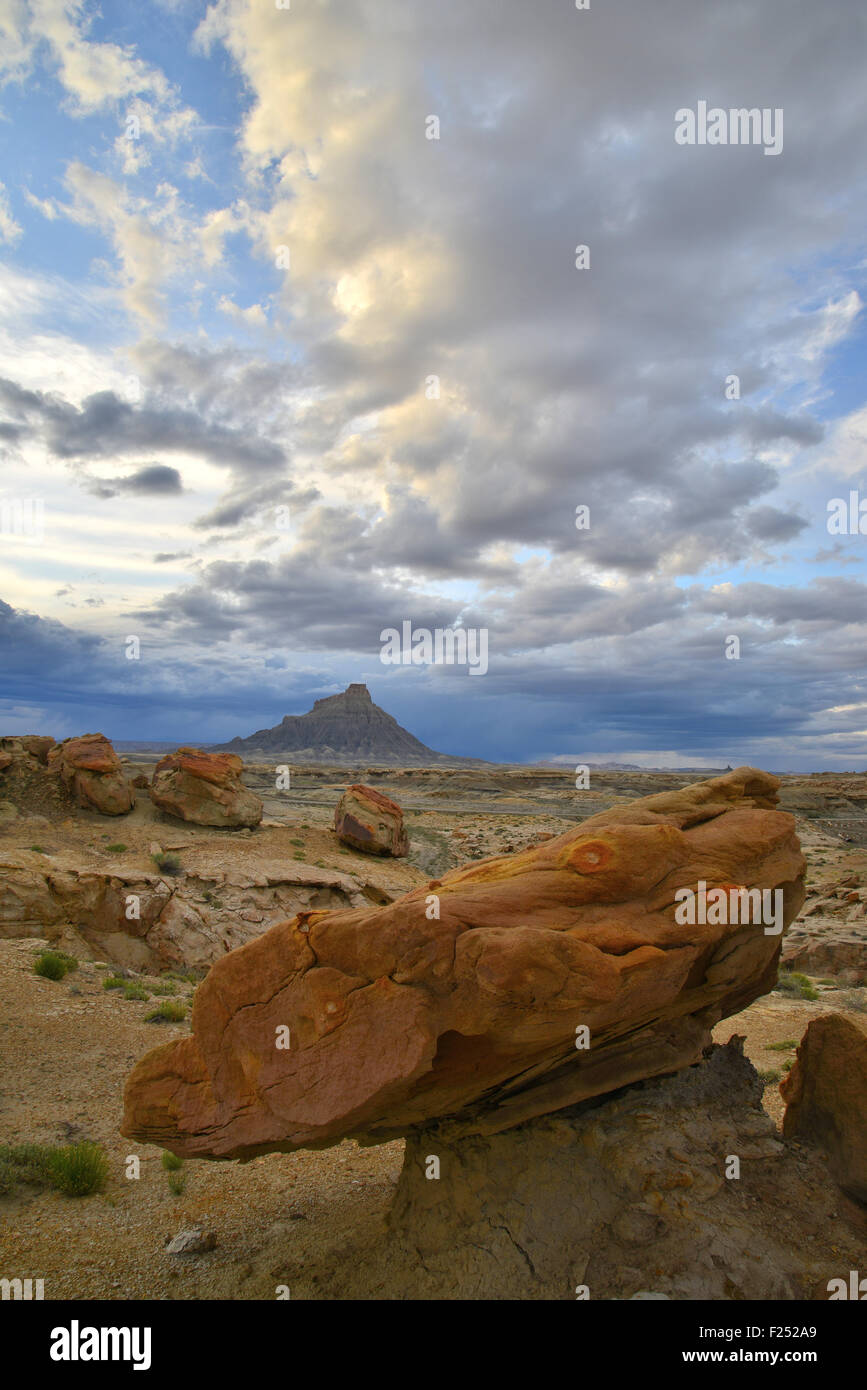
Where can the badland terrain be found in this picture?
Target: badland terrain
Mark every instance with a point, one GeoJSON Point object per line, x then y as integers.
{"type": "Point", "coordinates": [434, 933]}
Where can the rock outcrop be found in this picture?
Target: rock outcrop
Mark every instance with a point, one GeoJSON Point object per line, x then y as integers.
{"type": "Point", "coordinates": [370, 821]}
{"type": "Point", "coordinates": [17, 746]}
{"type": "Point", "coordinates": [91, 771]}
{"type": "Point", "coordinates": [830, 935]}
{"type": "Point", "coordinates": [148, 922]}
{"type": "Point", "coordinates": [510, 989]}
{"type": "Point", "coordinates": [204, 788]}
{"type": "Point", "coordinates": [826, 1097]}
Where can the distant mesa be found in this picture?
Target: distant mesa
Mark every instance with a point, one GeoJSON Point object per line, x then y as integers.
{"type": "Point", "coordinates": [344, 728]}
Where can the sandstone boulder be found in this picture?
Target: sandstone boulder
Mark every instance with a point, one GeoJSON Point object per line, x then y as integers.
{"type": "Point", "coordinates": [826, 1097]}
{"type": "Point", "coordinates": [38, 746]}
{"type": "Point", "coordinates": [204, 788]}
{"type": "Point", "coordinates": [474, 997]}
{"type": "Point", "coordinates": [370, 821]}
{"type": "Point", "coordinates": [91, 771]}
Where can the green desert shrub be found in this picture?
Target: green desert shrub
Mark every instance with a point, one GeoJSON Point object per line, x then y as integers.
{"type": "Point", "coordinates": [767, 1077]}
{"type": "Point", "coordinates": [177, 1183]}
{"type": "Point", "coordinates": [79, 1169]}
{"type": "Point", "coordinates": [24, 1163]}
{"type": "Point", "coordinates": [168, 864]}
{"type": "Point", "coordinates": [53, 965]}
{"type": "Point", "coordinates": [74, 1169]}
{"type": "Point", "coordinates": [782, 1046]}
{"type": "Point", "coordinates": [135, 992]}
{"type": "Point", "coordinates": [115, 849]}
{"type": "Point", "coordinates": [796, 985]}
{"type": "Point", "coordinates": [171, 1162]}
{"type": "Point", "coordinates": [162, 987]}
{"type": "Point", "coordinates": [114, 982]}
{"type": "Point", "coordinates": [169, 1011]}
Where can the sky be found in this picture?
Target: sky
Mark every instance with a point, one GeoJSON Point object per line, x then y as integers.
{"type": "Point", "coordinates": [297, 345]}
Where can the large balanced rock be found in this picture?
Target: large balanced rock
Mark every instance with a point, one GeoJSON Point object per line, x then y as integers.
{"type": "Point", "coordinates": [826, 1097]}
{"type": "Point", "coordinates": [468, 998]}
{"type": "Point", "coordinates": [369, 821]}
{"type": "Point", "coordinates": [91, 771]}
{"type": "Point", "coordinates": [205, 788]}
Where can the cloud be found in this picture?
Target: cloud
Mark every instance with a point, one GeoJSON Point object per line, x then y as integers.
{"type": "Point", "coordinates": [429, 381]}
{"type": "Point", "coordinates": [10, 230]}
{"type": "Point", "coordinates": [154, 479]}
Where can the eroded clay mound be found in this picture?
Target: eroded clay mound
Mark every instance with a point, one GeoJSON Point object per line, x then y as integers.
{"type": "Point", "coordinates": [462, 999]}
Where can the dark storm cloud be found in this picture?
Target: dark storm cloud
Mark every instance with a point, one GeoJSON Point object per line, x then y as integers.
{"type": "Point", "coordinates": [154, 480]}
{"type": "Point", "coordinates": [300, 599]}
{"type": "Point", "coordinates": [107, 425]}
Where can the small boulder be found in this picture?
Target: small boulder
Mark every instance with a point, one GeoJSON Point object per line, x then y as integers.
{"type": "Point", "coordinates": [193, 1240]}
{"type": "Point", "coordinates": [826, 1097]}
{"type": "Point", "coordinates": [204, 788]}
{"type": "Point", "coordinates": [369, 821]}
{"type": "Point", "coordinates": [91, 770]}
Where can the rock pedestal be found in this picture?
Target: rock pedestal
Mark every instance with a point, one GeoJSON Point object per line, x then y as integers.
{"type": "Point", "coordinates": [635, 1195]}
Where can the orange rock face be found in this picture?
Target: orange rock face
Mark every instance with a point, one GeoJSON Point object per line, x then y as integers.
{"type": "Point", "coordinates": [369, 821]}
{"type": "Point", "coordinates": [826, 1097]}
{"type": "Point", "coordinates": [508, 989]}
{"type": "Point", "coordinates": [92, 771]}
{"type": "Point", "coordinates": [205, 788]}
